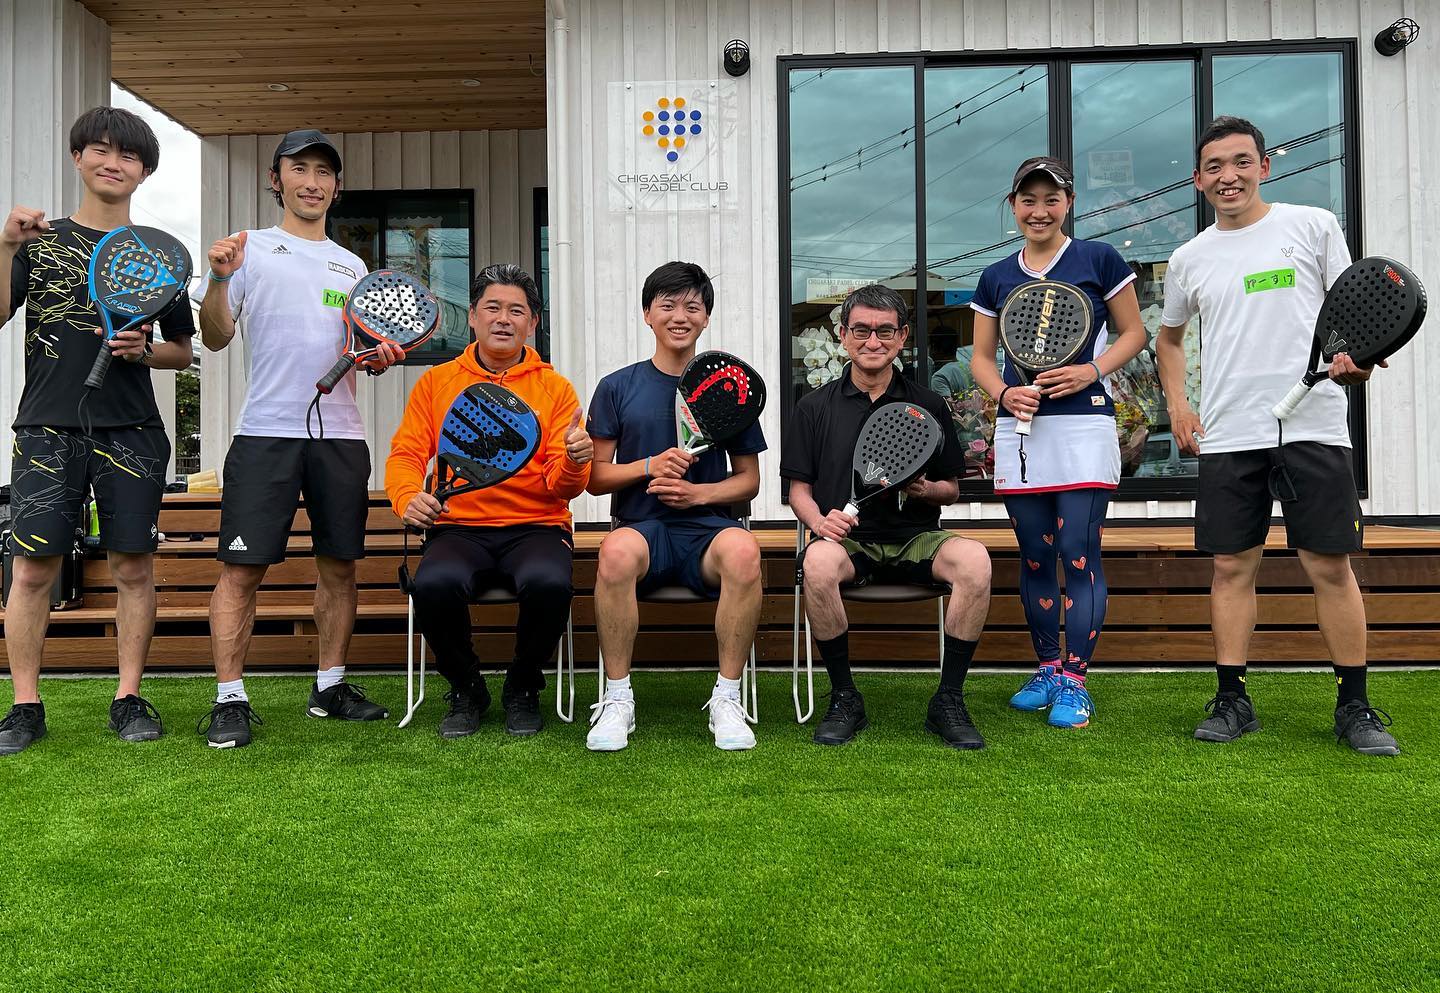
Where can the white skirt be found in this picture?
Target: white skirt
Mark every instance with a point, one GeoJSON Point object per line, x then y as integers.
{"type": "Point", "coordinates": [1062, 452]}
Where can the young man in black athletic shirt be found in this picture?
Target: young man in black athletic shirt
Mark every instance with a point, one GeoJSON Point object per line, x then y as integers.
{"type": "Point", "coordinates": [123, 453]}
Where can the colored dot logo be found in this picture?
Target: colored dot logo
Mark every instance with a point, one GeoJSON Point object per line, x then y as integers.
{"type": "Point", "coordinates": [671, 125]}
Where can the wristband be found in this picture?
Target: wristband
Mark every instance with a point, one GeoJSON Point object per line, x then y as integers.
{"type": "Point", "coordinates": [647, 467]}
{"type": "Point", "coordinates": [220, 279]}
{"type": "Point", "coordinates": [1000, 400]}
{"type": "Point", "coordinates": [1098, 374]}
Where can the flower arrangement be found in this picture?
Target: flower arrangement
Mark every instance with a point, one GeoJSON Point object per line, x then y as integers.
{"type": "Point", "coordinates": [973, 413]}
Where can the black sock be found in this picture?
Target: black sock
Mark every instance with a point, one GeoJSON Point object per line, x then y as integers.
{"type": "Point", "coordinates": [1349, 684]}
{"type": "Point", "coordinates": [835, 653]}
{"type": "Point", "coordinates": [1076, 667]}
{"type": "Point", "coordinates": [1232, 679]}
{"type": "Point", "coordinates": [955, 663]}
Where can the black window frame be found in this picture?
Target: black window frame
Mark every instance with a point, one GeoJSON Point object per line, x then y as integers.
{"type": "Point", "coordinates": [540, 214]}
{"type": "Point", "coordinates": [381, 200]}
{"type": "Point", "coordinates": [1059, 62]}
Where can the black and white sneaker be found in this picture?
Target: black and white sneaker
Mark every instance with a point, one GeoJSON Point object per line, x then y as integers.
{"type": "Point", "coordinates": [522, 713]}
{"type": "Point", "coordinates": [133, 718]}
{"type": "Point", "coordinates": [1231, 715]}
{"type": "Point", "coordinates": [1362, 727]}
{"type": "Point", "coordinates": [22, 727]}
{"type": "Point", "coordinates": [466, 707]}
{"type": "Point", "coordinates": [228, 724]}
{"type": "Point", "coordinates": [948, 717]}
{"type": "Point", "coordinates": [343, 701]}
{"type": "Point", "coordinates": [843, 720]}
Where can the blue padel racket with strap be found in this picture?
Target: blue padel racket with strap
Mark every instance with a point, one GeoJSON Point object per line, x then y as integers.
{"type": "Point", "coordinates": [135, 275]}
{"type": "Point", "coordinates": [718, 397]}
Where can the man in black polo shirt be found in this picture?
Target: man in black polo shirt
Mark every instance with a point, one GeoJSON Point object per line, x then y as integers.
{"type": "Point", "coordinates": [892, 540]}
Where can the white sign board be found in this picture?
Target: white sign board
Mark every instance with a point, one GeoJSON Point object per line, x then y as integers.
{"type": "Point", "coordinates": [673, 145]}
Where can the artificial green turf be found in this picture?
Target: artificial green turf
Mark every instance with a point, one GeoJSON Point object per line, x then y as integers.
{"type": "Point", "coordinates": [330, 856]}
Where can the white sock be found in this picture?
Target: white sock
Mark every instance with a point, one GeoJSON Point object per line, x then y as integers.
{"type": "Point", "coordinates": [619, 689]}
{"type": "Point", "coordinates": [727, 687]}
{"type": "Point", "coordinates": [326, 678]}
{"type": "Point", "coordinates": [233, 690]}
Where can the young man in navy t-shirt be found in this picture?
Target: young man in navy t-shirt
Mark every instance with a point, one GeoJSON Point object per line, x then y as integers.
{"type": "Point", "coordinates": [672, 512]}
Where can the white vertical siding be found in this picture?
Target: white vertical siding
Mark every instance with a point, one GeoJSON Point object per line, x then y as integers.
{"type": "Point", "coordinates": [614, 40]}
{"type": "Point", "coordinates": [501, 167]}
{"type": "Point", "coordinates": [54, 66]}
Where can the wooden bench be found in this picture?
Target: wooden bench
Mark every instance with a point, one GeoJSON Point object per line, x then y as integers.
{"type": "Point", "coordinates": [1159, 612]}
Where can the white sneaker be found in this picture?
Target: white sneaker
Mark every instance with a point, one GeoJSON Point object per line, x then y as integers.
{"type": "Point", "coordinates": [729, 724]}
{"type": "Point", "coordinates": [611, 723]}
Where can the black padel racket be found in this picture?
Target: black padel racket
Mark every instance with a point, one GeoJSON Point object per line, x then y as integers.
{"type": "Point", "coordinates": [385, 306]}
{"type": "Point", "coordinates": [719, 396]}
{"type": "Point", "coordinates": [892, 448]}
{"type": "Point", "coordinates": [1370, 312]}
{"type": "Point", "coordinates": [135, 275]}
{"type": "Point", "coordinates": [1043, 325]}
{"type": "Point", "coordinates": [488, 435]}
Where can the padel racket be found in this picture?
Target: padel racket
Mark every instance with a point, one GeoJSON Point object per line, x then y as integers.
{"type": "Point", "coordinates": [1043, 325]}
{"type": "Point", "coordinates": [135, 275]}
{"type": "Point", "coordinates": [719, 396]}
{"type": "Point", "coordinates": [385, 306]}
{"type": "Point", "coordinates": [892, 448]}
{"type": "Point", "coordinates": [488, 435]}
{"type": "Point", "coordinates": [1370, 312]}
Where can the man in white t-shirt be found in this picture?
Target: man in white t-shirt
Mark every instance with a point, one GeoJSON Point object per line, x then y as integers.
{"type": "Point", "coordinates": [286, 286]}
{"type": "Point", "coordinates": [1257, 278]}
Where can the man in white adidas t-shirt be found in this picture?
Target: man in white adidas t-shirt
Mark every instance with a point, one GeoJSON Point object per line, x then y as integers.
{"type": "Point", "coordinates": [1257, 278]}
{"type": "Point", "coordinates": [286, 286]}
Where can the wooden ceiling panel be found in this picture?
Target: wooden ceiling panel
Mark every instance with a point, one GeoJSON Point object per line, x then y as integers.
{"type": "Point", "coordinates": [358, 65]}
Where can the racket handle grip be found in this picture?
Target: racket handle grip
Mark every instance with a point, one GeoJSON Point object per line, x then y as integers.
{"type": "Point", "coordinates": [850, 511]}
{"type": "Point", "coordinates": [1287, 406]}
{"type": "Point", "coordinates": [1023, 427]}
{"type": "Point", "coordinates": [337, 372]}
{"type": "Point", "coordinates": [100, 368]}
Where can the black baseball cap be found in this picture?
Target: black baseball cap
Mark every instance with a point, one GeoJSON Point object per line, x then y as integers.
{"type": "Point", "coordinates": [297, 141]}
{"type": "Point", "coordinates": [1058, 171]}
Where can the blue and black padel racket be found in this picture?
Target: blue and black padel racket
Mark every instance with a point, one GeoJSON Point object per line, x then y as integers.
{"type": "Point", "coordinates": [135, 275]}
{"type": "Point", "coordinates": [488, 435]}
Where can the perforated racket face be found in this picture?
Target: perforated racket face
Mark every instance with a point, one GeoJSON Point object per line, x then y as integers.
{"type": "Point", "coordinates": [725, 395]}
{"type": "Point", "coordinates": [1044, 324]}
{"type": "Point", "coordinates": [488, 435]}
{"type": "Point", "coordinates": [895, 442]}
{"type": "Point", "coordinates": [1371, 311]}
{"type": "Point", "coordinates": [136, 273]}
{"type": "Point", "coordinates": [393, 307]}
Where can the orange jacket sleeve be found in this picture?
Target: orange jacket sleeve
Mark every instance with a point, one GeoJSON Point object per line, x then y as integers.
{"type": "Point", "coordinates": [564, 478]}
{"type": "Point", "coordinates": [412, 447]}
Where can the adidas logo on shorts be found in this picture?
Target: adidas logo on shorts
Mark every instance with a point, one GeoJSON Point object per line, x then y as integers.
{"type": "Point", "coordinates": [238, 545]}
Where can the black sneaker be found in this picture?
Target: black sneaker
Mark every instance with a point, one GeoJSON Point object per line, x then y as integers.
{"type": "Point", "coordinates": [1362, 727]}
{"type": "Point", "coordinates": [344, 701]}
{"type": "Point", "coordinates": [466, 706]}
{"type": "Point", "coordinates": [134, 719]}
{"type": "Point", "coordinates": [844, 719]}
{"type": "Point", "coordinates": [22, 727]}
{"type": "Point", "coordinates": [948, 718]}
{"type": "Point", "coordinates": [522, 712]}
{"type": "Point", "coordinates": [1231, 715]}
{"type": "Point", "coordinates": [228, 724]}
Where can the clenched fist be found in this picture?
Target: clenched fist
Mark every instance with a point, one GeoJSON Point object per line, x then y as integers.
{"type": "Point", "coordinates": [24, 224]}
{"type": "Point", "coordinates": [227, 255]}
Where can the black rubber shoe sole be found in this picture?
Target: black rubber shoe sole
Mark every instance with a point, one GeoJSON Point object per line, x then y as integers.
{"type": "Point", "coordinates": [1201, 734]}
{"type": "Point", "coordinates": [962, 746]}
{"type": "Point", "coordinates": [864, 723]}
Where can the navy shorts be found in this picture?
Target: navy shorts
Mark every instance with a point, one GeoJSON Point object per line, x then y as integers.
{"type": "Point", "coordinates": [676, 548]}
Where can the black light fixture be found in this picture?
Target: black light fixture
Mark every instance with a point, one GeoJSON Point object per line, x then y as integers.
{"type": "Point", "coordinates": [1394, 38]}
{"type": "Point", "coordinates": [737, 57]}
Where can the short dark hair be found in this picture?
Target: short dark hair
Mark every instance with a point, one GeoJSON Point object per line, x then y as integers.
{"type": "Point", "coordinates": [120, 128]}
{"type": "Point", "coordinates": [678, 279]}
{"type": "Point", "coordinates": [506, 274]}
{"type": "Point", "coordinates": [1224, 127]}
{"type": "Point", "coordinates": [877, 296]}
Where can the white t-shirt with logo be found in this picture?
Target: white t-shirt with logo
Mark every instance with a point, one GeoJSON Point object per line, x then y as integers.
{"type": "Point", "coordinates": [1258, 291]}
{"type": "Point", "coordinates": [287, 299]}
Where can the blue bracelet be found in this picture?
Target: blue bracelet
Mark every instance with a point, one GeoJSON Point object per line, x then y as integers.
{"type": "Point", "coordinates": [1098, 374]}
{"type": "Point", "coordinates": [221, 279]}
{"type": "Point", "coordinates": [647, 467]}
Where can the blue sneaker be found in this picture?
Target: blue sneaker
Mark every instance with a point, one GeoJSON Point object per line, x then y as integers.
{"type": "Point", "coordinates": [1071, 707]}
{"type": "Point", "coordinates": [1039, 692]}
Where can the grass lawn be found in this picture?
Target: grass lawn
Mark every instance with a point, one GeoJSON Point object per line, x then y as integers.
{"type": "Point", "coordinates": [1124, 857]}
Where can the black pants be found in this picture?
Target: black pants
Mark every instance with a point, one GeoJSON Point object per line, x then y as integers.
{"type": "Point", "coordinates": [531, 560]}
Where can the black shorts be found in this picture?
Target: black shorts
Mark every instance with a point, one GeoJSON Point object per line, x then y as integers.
{"type": "Point", "coordinates": [1314, 484]}
{"type": "Point", "coordinates": [264, 479]}
{"type": "Point", "coordinates": [52, 471]}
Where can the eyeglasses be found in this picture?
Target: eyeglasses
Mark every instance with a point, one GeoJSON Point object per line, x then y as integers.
{"type": "Point", "coordinates": [860, 332]}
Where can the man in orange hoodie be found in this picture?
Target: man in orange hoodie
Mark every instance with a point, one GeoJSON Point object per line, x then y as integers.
{"type": "Point", "coordinates": [518, 531]}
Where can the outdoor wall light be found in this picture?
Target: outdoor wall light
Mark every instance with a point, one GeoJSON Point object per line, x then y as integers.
{"type": "Point", "coordinates": [1392, 39]}
{"type": "Point", "coordinates": [737, 57]}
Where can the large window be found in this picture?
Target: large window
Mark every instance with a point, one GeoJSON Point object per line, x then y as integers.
{"type": "Point", "coordinates": [428, 234]}
{"type": "Point", "coordinates": [895, 170]}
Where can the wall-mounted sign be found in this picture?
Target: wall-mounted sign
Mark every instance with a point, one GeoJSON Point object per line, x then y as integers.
{"type": "Point", "coordinates": [1112, 168]}
{"type": "Point", "coordinates": [673, 145]}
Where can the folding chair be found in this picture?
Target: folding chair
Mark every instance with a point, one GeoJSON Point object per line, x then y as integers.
{"type": "Point", "coordinates": [869, 593]}
{"type": "Point", "coordinates": [749, 691]}
{"type": "Point", "coordinates": [564, 662]}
